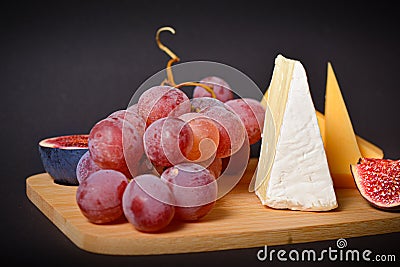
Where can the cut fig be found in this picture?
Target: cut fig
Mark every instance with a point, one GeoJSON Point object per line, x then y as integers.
{"type": "Point", "coordinates": [60, 156]}
{"type": "Point", "coordinates": [378, 181]}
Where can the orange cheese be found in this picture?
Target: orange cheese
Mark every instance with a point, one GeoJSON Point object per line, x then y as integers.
{"type": "Point", "coordinates": [340, 141]}
{"type": "Point", "coordinates": [367, 149]}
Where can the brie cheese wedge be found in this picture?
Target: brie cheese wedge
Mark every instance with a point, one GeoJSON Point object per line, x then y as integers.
{"type": "Point", "coordinates": [293, 171]}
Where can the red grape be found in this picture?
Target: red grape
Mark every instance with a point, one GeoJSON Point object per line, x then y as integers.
{"type": "Point", "coordinates": [133, 109]}
{"type": "Point", "coordinates": [132, 117]}
{"type": "Point", "coordinates": [205, 136]}
{"type": "Point", "coordinates": [252, 115]}
{"type": "Point", "coordinates": [161, 101]}
{"type": "Point", "coordinates": [168, 141]}
{"type": "Point", "coordinates": [194, 188]}
{"type": "Point", "coordinates": [231, 130]}
{"type": "Point", "coordinates": [215, 167]}
{"type": "Point", "coordinates": [115, 145]}
{"type": "Point", "coordinates": [201, 103]}
{"type": "Point", "coordinates": [146, 203]}
{"type": "Point", "coordinates": [99, 197]}
{"type": "Point", "coordinates": [86, 166]}
{"type": "Point", "coordinates": [118, 114]}
{"type": "Point", "coordinates": [147, 167]}
{"type": "Point", "coordinates": [225, 163]}
{"type": "Point", "coordinates": [220, 87]}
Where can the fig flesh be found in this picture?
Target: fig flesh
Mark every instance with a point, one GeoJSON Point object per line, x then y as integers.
{"type": "Point", "coordinates": [378, 181]}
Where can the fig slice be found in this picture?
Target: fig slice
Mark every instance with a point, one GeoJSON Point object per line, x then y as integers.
{"type": "Point", "coordinates": [60, 156]}
{"type": "Point", "coordinates": [66, 141]}
{"type": "Point", "coordinates": [378, 181]}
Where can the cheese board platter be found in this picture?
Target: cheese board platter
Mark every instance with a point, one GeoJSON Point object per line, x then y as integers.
{"type": "Point", "coordinates": [237, 221]}
{"type": "Point", "coordinates": [145, 181]}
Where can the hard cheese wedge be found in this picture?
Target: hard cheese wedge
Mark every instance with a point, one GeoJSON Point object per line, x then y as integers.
{"type": "Point", "coordinates": [340, 141]}
{"type": "Point", "coordinates": [367, 149]}
{"type": "Point", "coordinates": [298, 177]}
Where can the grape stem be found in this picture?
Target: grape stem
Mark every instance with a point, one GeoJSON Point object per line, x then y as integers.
{"type": "Point", "coordinates": [208, 88]}
{"type": "Point", "coordinates": [163, 47]}
{"type": "Point", "coordinates": [174, 58]}
{"type": "Point", "coordinates": [170, 76]}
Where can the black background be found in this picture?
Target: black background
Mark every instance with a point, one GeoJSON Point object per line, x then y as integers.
{"type": "Point", "coordinates": [66, 64]}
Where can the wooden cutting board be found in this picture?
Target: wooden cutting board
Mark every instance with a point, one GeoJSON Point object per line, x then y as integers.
{"type": "Point", "coordinates": [237, 221]}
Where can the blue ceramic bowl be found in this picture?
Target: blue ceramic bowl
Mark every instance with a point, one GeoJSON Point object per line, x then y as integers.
{"type": "Point", "coordinates": [60, 156]}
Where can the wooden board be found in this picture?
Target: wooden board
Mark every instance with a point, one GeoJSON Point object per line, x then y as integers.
{"type": "Point", "coordinates": [237, 221]}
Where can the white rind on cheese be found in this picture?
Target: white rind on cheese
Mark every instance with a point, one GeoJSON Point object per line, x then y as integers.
{"type": "Point", "coordinates": [299, 177]}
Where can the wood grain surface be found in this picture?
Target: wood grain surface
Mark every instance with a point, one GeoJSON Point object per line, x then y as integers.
{"type": "Point", "coordinates": [237, 221]}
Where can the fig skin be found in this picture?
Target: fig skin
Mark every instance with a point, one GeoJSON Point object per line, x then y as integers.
{"type": "Point", "coordinates": [353, 169]}
{"type": "Point", "coordinates": [60, 161]}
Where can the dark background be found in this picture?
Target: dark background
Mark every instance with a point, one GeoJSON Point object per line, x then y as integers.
{"type": "Point", "coordinates": [66, 64]}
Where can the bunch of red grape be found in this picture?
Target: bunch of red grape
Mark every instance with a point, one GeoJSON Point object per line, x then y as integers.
{"type": "Point", "coordinates": [160, 159]}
